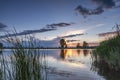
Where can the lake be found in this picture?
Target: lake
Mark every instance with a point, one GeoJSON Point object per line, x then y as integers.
{"type": "Point", "coordinates": [72, 64]}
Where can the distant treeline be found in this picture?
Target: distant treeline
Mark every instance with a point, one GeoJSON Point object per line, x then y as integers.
{"type": "Point", "coordinates": [81, 47]}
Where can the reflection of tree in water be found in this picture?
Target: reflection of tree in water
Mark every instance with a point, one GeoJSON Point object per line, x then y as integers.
{"type": "Point", "coordinates": [78, 51]}
{"type": "Point", "coordinates": [105, 70]}
{"type": "Point", "coordinates": [85, 52]}
{"type": "Point", "coordinates": [63, 53]}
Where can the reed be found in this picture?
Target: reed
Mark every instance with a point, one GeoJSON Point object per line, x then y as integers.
{"type": "Point", "coordinates": [23, 64]}
{"type": "Point", "coordinates": [109, 52]}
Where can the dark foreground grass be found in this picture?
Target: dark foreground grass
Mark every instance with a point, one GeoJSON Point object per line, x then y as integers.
{"type": "Point", "coordinates": [109, 52]}
{"type": "Point", "coordinates": [23, 64]}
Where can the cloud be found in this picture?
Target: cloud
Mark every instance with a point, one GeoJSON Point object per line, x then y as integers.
{"type": "Point", "coordinates": [105, 3]}
{"type": "Point", "coordinates": [66, 36]}
{"type": "Point", "coordinates": [27, 32]}
{"type": "Point", "coordinates": [36, 31]}
{"type": "Point", "coordinates": [107, 33]}
{"type": "Point", "coordinates": [102, 5]}
{"type": "Point", "coordinates": [72, 35]}
{"type": "Point", "coordinates": [80, 32]}
{"type": "Point", "coordinates": [2, 26]}
{"type": "Point", "coordinates": [74, 32]}
{"type": "Point", "coordinates": [72, 41]}
{"type": "Point", "coordinates": [57, 25]}
{"type": "Point", "coordinates": [85, 12]}
{"type": "Point", "coordinates": [50, 27]}
{"type": "Point", "coordinates": [94, 26]}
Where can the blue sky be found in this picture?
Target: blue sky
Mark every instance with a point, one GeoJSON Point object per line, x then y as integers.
{"type": "Point", "coordinates": [37, 14]}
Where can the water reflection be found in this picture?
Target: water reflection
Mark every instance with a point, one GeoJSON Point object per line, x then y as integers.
{"type": "Point", "coordinates": [23, 65]}
{"type": "Point", "coordinates": [68, 53]}
{"type": "Point", "coordinates": [103, 69]}
{"type": "Point", "coordinates": [87, 59]}
{"type": "Point", "coordinates": [63, 53]}
{"type": "Point", "coordinates": [85, 52]}
{"type": "Point", "coordinates": [78, 51]}
{"type": "Point", "coordinates": [75, 61]}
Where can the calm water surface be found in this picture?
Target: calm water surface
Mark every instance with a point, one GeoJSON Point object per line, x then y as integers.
{"type": "Point", "coordinates": [70, 64]}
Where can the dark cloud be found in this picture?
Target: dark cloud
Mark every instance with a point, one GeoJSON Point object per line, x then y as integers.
{"type": "Point", "coordinates": [105, 3]}
{"type": "Point", "coordinates": [27, 32]}
{"type": "Point", "coordinates": [98, 10]}
{"type": "Point", "coordinates": [102, 5]}
{"type": "Point", "coordinates": [85, 12]}
{"type": "Point", "coordinates": [72, 40]}
{"type": "Point", "coordinates": [72, 35]}
{"type": "Point", "coordinates": [50, 27]}
{"type": "Point", "coordinates": [36, 31]}
{"type": "Point", "coordinates": [68, 36]}
{"type": "Point", "coordinates": [58, 25]}
{"type": "Point", "coordinates": [2, 26]}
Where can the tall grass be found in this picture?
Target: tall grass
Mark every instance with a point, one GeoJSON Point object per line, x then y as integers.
{"type": "Point", "coordinates": [109, 51]}
{"type": "Point", "coordinates": [1, 47]}
{"type": "Point", "coordinates": [23, 64]}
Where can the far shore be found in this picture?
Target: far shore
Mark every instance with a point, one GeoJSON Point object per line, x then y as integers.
{"type": "Point", "coordinates": [87, 47]}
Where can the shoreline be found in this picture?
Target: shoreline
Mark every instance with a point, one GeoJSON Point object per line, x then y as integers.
{"type": "Point", "coordinates": [88, 47]}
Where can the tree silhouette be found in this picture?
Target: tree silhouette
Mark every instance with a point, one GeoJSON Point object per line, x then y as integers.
{"type": "Point", "coordinates": [63, 43]}
{"type": "Point", "coordinates": [85, 44]}
{"type": "Point", "coordinates": [78, 45]}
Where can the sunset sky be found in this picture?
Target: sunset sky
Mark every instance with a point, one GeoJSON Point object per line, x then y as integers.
{"type": "Point", "coordinates": [69, 19]}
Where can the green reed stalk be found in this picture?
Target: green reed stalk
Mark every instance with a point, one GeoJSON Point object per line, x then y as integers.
{"type": "Point", "coordinates": [24, 64]}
